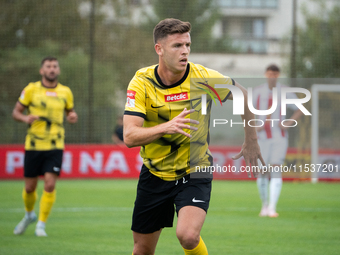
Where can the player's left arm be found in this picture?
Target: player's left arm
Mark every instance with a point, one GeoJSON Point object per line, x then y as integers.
{"type": "Point", "coordinates": [71, 115]}
{"type": "Point", "coordinates": [250, 148]}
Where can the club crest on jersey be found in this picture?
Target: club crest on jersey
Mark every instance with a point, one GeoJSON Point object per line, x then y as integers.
{"type": "Point", "coordinates": [51, 93]}
{"type": "Point", "coordinates": [130, 101]}
{"type": "Point", "coordinates": [176, 97]}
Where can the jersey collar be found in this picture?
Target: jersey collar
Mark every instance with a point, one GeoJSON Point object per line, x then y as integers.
{"type": "Point", "coordinates": [42, 84]}
{"type": "Point", "coordinates": [175, 84]}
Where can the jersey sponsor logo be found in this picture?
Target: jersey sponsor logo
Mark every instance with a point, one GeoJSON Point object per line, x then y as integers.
{"type": "Point", "coordinates": [197, 201]}
{"type": "Point", "coordinates": [176, 97]}
{"type": "Point", "coordinates": [51, 94]}
{"type": "Point", "coordinates": [130, 101]}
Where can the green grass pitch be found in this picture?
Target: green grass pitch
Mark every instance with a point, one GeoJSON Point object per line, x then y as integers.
{"type": "Point", "coordinates": [94, 217]}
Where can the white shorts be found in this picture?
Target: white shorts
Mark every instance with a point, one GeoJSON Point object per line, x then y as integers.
{"type": "Point", "coordinates": [273, 150]}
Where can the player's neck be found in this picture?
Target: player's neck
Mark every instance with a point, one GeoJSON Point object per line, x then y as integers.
{"type": "Point", "coordinates": [271, 85]}
{"type": "Point", "coordinates": [49, 84]}
{"type": "Point", "coordinates": [167, 76]}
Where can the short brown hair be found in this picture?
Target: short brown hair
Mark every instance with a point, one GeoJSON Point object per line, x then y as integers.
{"type": "Point", "coordinates": [168, 27]}
{"type": "Point", "coordinates": [48, 59]}
{"type": "Point", "coordinates": [273, 68]}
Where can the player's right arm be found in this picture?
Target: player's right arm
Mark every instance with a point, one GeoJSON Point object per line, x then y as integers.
{"type": "Point", "coordinates": [18, 114]}
{"type": "Point", "coordinates": [19, 108]}
{"type": "Point", "coordinates": [137, 135]}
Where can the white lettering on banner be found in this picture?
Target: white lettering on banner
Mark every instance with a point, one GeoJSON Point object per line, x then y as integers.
{"type": "Point", "coordinates": [87, 161]}
{"type": "Point", "coordinates": [116, 161]}
{"type": "Point", "coordinates": [14, 159]}
{"type": "Point", "coordinates": [67, 162]}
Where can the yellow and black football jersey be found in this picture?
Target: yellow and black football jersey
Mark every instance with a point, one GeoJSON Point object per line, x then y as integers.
{"type": "Point", "coordinates": [173, 156]}
{"type": "Point", "coordinates": [49, 104]}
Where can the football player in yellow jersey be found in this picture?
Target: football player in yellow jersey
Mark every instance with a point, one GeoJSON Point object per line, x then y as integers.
{"type": "Point", "coordinates": [159, 100]}
{"type": "Point", "coordinates": [45, 101]}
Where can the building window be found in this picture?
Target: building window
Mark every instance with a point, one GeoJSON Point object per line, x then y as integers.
{"type": "Point", "coordinates": [270, 4]}
{"type": "Point", "coordinates": [248, 33]}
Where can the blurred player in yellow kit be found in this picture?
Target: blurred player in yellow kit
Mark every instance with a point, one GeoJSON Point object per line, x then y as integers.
{"type": "Point", "coordinates": [45, 101]}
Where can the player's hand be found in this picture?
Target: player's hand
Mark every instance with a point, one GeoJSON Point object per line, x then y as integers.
{"type": "Point", "coordinates": [29, 119]}
{"type": "Point", "coordinates": [72, 117]}
{"type": "Point", "coordinates": [177, 124]}
{"type": "Point", "coordinates": [251, 153]}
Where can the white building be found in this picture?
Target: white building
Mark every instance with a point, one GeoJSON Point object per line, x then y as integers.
{"type": "Point", "coordinates": [261, 29]}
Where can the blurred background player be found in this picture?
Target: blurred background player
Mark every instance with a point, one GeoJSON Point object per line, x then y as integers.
{"type": "Point", "coordinates": [45, 101]}
{"type": "Point", "coordinates": [273, 140]}
{"type": "Point", "coordinates": [117, 136]}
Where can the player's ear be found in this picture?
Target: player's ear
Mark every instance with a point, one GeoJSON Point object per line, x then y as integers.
{"type": "Point", "coordinates": [41, 71]}
{"type": "Point", "coordinates": [158, 49]}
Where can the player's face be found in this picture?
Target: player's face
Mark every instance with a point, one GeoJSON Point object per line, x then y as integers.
{"type": "Point", "coordinates": [272, 76]}
{"type": "Point", "coordinates": [174, 51]}
{"type": "Point", "coordinates": [50, 70]}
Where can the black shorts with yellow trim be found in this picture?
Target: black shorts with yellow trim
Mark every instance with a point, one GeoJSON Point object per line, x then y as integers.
{"type": "Point", "coordinates": [157, 200]}
{"type": "Point", "coordinates": [40, 162]}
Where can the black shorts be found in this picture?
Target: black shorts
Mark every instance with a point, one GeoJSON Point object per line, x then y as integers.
{"type": "Point", "coordinates": [40, 162]}
{"type": "Point", "coordinates": [154, 205]}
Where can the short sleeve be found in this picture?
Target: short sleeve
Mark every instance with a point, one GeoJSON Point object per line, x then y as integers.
{"type": "Point", "coordinates": [135, 100]}
{"type": "Point", "coordinates": [218, 78]}
{"type": "Point", "coordinates": [26, 95]}
{"type": "Point", "coordinates": [69, 100]}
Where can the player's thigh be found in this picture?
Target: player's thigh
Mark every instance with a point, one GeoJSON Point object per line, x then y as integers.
{"type": "Point", "coordinates": [145, 243]}
{"type": "Point", "coordinates": [52, 162]}
{"type": "Point", "coordinates": [189, 224]}
{"type": "Point", "coordinates": [192, 204]}
{"type": "Point", "coordinates": [31, 184]}
{"type": "Point", "coordinates": [50, 180]}
{"type": "Point", "coordinates": [33, 164]}
{"type": "Point", "coordinates": [196, 192]}
{"type": "Point", "coordinates": [265, 150]}
{"type": "Point", "coordinates": [278, 151]}
{"type": "Point", "coordinates": [154, 205]}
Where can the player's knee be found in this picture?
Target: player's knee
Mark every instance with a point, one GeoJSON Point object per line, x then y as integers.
{"type": "Point", "coordinates": [188, 239]}
{"type": "Point", "coordinates": [29, 189]}
{"type": "Point", "coordinates": [49, 186]}
{"type": "Point", "coordinates": [142, 250]}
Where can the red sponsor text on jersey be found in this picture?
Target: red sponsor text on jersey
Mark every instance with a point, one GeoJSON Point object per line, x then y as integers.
{"type": "Point", "coordinates": [176, 97]}
{"type": "Point", "coordinates": [131, 94]}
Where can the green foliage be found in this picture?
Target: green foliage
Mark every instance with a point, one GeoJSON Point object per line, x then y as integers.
{"type": "Point", "coordinates": [29, 22]}
{"type": "Point", "coordinates": [318, 52]}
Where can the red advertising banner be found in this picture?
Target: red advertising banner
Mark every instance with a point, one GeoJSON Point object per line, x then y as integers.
{"type": "Point", "coordinates": [110, 161]}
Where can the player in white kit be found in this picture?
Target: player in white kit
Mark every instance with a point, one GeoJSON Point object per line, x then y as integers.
{"type": "Point", "coordinates": [273, 139]}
